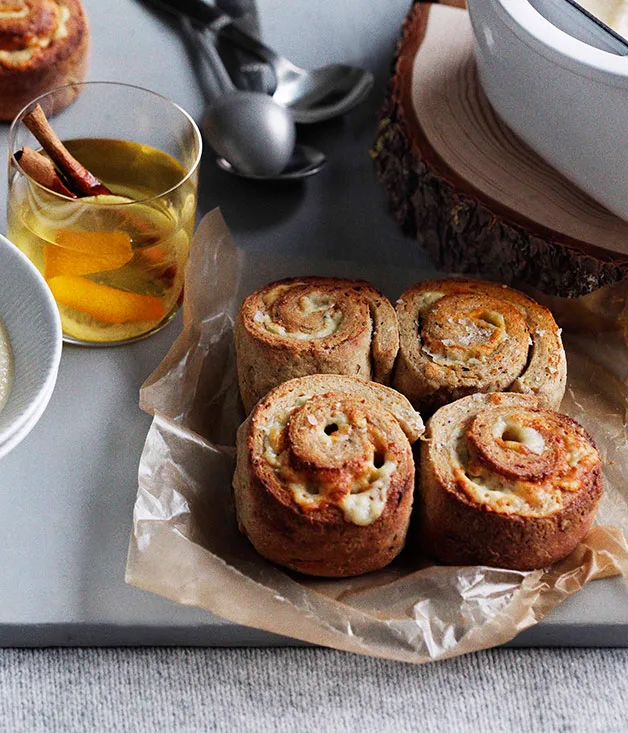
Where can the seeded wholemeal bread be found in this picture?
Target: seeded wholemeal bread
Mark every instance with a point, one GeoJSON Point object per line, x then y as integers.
{"type": "Point", "coordinates": [313, 325]}
{"type": "Point", "coordinates": [458, 337]}
{"type": "Point", "coordinates": [505, 482]}
{"type": "Point", "coordinates": [324, 479]}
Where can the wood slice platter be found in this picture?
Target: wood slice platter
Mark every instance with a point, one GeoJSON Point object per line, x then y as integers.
{"type": "Point", "coordinates": [467, 188]}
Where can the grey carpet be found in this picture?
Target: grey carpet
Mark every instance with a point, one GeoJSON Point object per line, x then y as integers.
{"type": "Point", "coordinates": [279, 690]}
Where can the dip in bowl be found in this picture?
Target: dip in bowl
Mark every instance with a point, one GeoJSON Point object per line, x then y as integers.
{"type": "Point", "coordinates": [30, 346]}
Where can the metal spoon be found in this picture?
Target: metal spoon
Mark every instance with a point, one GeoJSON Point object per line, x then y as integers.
{"type": "Point", "coordinates": [303, 161]}
{"type": "Point", "coordinates": [312, 96]}
{"type": "Point", "coordinates": [252, 131]}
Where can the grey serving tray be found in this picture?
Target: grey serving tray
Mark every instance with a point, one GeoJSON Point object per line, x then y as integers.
{"type": "Point", "coordinates": [67, 492]}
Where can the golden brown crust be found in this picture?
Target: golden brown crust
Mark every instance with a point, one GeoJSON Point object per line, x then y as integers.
{"type": "Point", "coordinates": [44, 44]}
{"type": "Point", "coordinates": [325, 475]}
{"type": "Point", "coordinates": [459, 336]}
{"type": "Point", "coordinates": [313, 325]}
{"type": "Point", "coordinates": [506, 483]}
{"type": "Point", "coordinates": [23, 22]}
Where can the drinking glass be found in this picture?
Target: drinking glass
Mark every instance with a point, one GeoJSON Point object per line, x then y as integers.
{"type": "Point", "coordinates": [114, 263]}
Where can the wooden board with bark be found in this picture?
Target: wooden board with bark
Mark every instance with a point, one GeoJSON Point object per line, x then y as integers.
{"type": "Point", "coordinates": [473, 194]}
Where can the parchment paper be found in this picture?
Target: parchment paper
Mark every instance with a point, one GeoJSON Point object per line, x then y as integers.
{"type": "Point", "coordinates": [185, 544]}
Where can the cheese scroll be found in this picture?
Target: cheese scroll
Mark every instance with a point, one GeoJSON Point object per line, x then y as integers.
{"type": "Point", "coordinates": [458, 337]}
{"type": "Point", "coordinates": [325, 475]}
{"type": "Point", "coordinates": [505, 482]}
{"type": "Point", "coordinates": [313, 325]}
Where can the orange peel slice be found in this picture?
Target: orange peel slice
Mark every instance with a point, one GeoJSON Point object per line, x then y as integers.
{"type": "Point", "coordinates": [103, 302]}
{"type": "Point", "coordinates": [86, 253]}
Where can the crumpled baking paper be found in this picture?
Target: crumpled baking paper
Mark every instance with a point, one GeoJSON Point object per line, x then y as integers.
{"type": "Point", "coordinates": [185, 544]}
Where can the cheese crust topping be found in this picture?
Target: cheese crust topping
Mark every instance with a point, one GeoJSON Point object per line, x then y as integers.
{"type": "Point", "coordinates": [464, 330]}
{"type": "Point", "coordinates": [522, 461]}
{"type": "Point", "coordinates": [299, 312]}
{"type": "Point", "coordinates": [27, 27]}
{"type": "Point", "coordinates": [335, 449]}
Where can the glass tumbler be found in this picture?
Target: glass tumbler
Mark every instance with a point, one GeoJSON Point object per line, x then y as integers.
{"type": "Point", "coordinates": [114, 262]}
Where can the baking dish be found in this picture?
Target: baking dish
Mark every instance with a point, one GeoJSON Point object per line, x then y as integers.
{"type": "Point", "coordinates": [566, 98]}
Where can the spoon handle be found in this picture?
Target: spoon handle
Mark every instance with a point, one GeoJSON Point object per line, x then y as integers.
{"type": "Point", "coordinates": [206, 41]}
{"type": "Point", "coordinates": [198, 10]}
{"type": "Point", "coordinates": [205, 14]}
{"type": "Point", "coordinates": [203, 42]}
{"type": "Point", "coordinates": [210, 88]}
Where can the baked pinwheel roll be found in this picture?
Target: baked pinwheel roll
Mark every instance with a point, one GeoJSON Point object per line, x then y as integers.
{"type": "Point", "coordinates": [313, 325]}
{"type": "Point", "coordinates": [44, 44]}
{"type": "Point", "coordinates": [325, 475]}
{"type": "Point", "coordinates": [458, 337]}
{"type": "Point", "coordinates": [505, 482]}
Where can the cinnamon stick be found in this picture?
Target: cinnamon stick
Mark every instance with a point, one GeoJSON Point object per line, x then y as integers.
{"type": "Point", "coordinates": [42, 170]}
{"type": "Point", "coordinates": [78, 177]}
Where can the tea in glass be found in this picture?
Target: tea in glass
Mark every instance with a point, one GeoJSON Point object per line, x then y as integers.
{"type": "Point", "coordinates": [114, 262]}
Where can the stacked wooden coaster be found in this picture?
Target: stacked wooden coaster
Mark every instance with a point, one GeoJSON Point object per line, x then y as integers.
{"type": "Point", "coordinates": [471, 192]}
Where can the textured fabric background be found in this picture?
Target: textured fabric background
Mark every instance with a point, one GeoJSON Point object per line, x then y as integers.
{"type": "Point", "coordinates": [279, 690]}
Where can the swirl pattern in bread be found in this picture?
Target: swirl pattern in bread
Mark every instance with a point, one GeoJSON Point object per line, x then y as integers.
{"type": "Point", "coordinates": [313, 325]}
{"type": "Point", "coordinates": [325, 475]}
{"type": "Point", "coordinates": [458, 337]}
{"type": "Point", "coordinates": [44, 44]}
{"type": "Point", "coordinates": [505, 482]}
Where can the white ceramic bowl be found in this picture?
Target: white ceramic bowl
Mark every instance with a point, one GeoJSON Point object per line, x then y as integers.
{"type": "Point", "coordinates": [32, 322]}
{"type": "Point", "coordinates": [565, 98]}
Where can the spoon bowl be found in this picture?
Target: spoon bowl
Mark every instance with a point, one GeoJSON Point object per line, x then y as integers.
{"type": "Point", "coordinates": [319, 94]}
{"type": "Point", "coordinates": [304, 162]}
{"type": "Point", "coordinates": [250, 129]}
{"type": "Point", "coordinates": [254, 133]}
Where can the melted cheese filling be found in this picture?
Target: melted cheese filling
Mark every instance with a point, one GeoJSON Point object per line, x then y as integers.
{"type": "Point", "coordinates": [446, 360]}
{"type": "Point", "coordinates": [23, 55]}
{"type": "Point", "coordinates": [490, 329]}
{"type": "Point", "coordinates": [308, 304]}
{"type": "Point", "coordinates": [510, 430]}
{"type": "Point", "coordinates": [513, 497]}
{"type": "Point", "coordinates": [524, 498]}
{"type": "Point", "coordinates": [331, 321]}
{"type": "Point", "coordinates": [428, 299]}
{"type": "Point", "coordinates": [11, 14]}
{"type": "Point", "coordinates": [62, 27]}
{"type": "Point", "coordinates": [363, 502]}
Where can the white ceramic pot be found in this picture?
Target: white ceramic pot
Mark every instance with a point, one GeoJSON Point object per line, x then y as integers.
{"type": "Point", "coordinates": [565, 98]}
